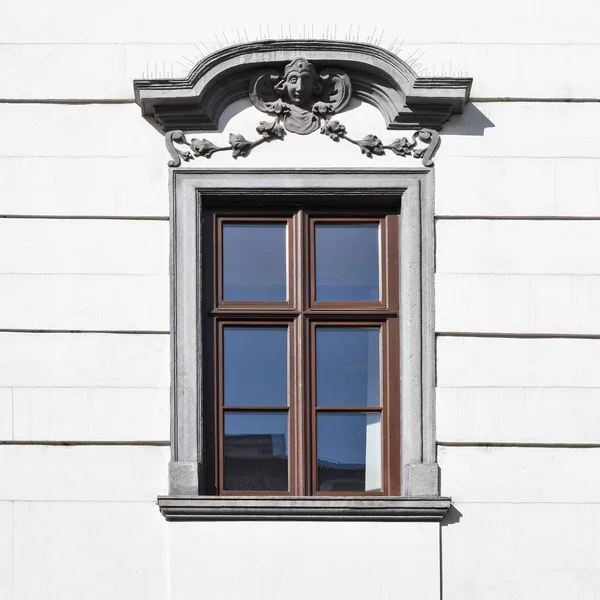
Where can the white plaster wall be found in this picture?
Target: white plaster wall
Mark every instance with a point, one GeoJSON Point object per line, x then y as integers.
{"type": "Point", "coordinates": [524, 525]}
{"type": "Point", "coordinates": [304, 559]}
{"type": "Point", "coordinates": [84, 348]}
{"type": "Point", "coordinates": [512, 49]}
{"type": "Point", "coordinates": [81, 522]}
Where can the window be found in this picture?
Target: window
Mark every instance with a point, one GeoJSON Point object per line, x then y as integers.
{"type": "Point", "coordinates": [320, 363]}
{"type": "Point", "coordinates": [302, 337]}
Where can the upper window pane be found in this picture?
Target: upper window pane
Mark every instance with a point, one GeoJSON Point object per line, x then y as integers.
{"type": "Point", "coordinates": [255, 366]}
{"type": "Point", "coordinates": [347, 262]}
{"type": "Point", "coordinates": [348, 370]}
{"type": "Point", "coordinates": [255, 261]}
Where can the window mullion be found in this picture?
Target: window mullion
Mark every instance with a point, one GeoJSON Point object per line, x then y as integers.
{"type": "Point", "coordinates": [301, 485]}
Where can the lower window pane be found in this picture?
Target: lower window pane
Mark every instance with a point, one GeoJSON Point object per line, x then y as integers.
{"type": "Point", "coordinates": [256, 451]}
{"type": "Point", "coordinates": [349, 452]}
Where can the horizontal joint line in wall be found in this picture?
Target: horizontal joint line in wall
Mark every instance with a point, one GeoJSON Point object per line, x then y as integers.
{"type": "Point", "coordinates": [87, 217]}
{"type": "Point", "coordinates": [117, 101]}
{"type": "Point", "coordinates": [107, 331]}
{"type": "Point", "coordinates": [513, 218]}
{"type": "Point", "coordinates": [75, 101]}
{"type": "Point", "coordinates": [535, 99]}
{"type": "Point", "coordinates": [529, 502]}
{"type": "Point", "coordinates": [512, 156]}
{"type": "Point", "coordinates": [195, 41]}
{"type": "Point", "coordinates": [517, 445]}
{"type": "Point", "coordinates": [100, 101]}
{"type": "Point", "coordinates": [514, 274]}
{"type": "Point", "coordinates": [528, 336]}
{"type": "Point", "coordinates": [504, 387]}
{"type": "Point", "coordinates": [84, 443]}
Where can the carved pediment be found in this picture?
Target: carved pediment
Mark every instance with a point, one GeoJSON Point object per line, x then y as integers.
{"type": "Point", "coordinates": [302, 84]}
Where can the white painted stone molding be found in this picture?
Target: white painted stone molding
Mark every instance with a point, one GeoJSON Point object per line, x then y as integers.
{"type": "Point", "coordinates": [302, 84]}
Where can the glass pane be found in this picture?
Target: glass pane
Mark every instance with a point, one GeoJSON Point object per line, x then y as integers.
{"type": "Point", "coordinates": [256, 451]}
{"type": "Point", "coordinates": [255, 261]}
{"type": "Point", "coordinates": [255, 366]}
{"type": "Point", "coordinates": [348, 371]}
{"type": "Point", "coordinates": [349, 452]}
{"type": "Point", "coordinates": [347, 262]}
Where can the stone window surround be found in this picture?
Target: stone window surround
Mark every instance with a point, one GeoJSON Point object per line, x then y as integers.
{"type": "Point", "coordinates": [420, 474]}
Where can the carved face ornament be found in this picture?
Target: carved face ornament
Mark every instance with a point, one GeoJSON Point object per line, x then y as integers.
{"type": "Point", "coordinates": [299, 84]}
{"type": "Point", "coordinates": [301, 96]}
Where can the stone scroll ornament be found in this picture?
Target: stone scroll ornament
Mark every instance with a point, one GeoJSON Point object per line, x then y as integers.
{"type": "Point", "coordinates": [301, 100]}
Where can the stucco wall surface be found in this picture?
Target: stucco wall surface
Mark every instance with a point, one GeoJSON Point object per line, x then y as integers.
{"type": "Point", "coordinates": [84, 306]}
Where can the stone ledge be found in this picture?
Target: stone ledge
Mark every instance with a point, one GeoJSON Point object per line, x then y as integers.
{"type": "Point", "coordinates": [310, 508]}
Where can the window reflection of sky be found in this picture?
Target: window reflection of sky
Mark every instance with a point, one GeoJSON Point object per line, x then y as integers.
{"type": "Point", "coordinates": [348, 370]}
{"type": "Point", "coordinates": [255, 261]}
{"type": "Point", "coordinates": [347, 262]}
{"type": "Point", "coordinates": [255, 365]}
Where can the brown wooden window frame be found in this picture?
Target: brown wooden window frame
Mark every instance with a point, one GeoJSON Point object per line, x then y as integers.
{"type": "Point", "coordinates": [302, 314]}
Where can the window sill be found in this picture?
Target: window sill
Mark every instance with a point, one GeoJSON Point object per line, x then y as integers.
{"type": "Point", "coordinates": [277, 508]}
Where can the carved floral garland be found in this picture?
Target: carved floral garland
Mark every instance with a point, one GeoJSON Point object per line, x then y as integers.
{"type": "Point", "coordinates": [241, 147]}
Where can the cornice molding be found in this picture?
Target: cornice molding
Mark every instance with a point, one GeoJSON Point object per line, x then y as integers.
{"type": "Point", "coordinates": [378, 77]}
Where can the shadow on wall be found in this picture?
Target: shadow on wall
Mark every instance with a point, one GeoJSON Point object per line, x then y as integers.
{"type": "Point", "coordinates": [452, 517]}
{"type": "Point", "coordinates": [471, 122]}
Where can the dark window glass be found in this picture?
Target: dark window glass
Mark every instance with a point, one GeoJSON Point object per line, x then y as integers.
{"type": "Point", "coordinates": [348, 452]}
{"type": "Point", "coordinates": [255, 449]}
{"type": "Point", "coordinates": [255, 366]}
{"type": "Point", "coordinates": [347, 262]}
{"type": "Point", "coordinates": [348, 370]}
{"type": "Point", "coordinates": [255, 261]}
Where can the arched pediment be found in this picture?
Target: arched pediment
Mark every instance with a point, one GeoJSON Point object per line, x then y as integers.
{"type": "Point", "coordinates": [375, 75]}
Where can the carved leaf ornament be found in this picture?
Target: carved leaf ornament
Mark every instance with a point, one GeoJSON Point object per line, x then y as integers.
{"type": "Point", "coordinates": [302, 101]}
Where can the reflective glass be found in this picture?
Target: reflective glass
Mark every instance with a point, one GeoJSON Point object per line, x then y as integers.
{"type": "Point", "coordinates": [256, 451]}
{"type": "Point", "coordinates": [255, 366]}
{"type": "Point", "coordinates": [348, 370]}
{"type": "Point", "coordinates": [347, 262]}
{"type": "Point", "coordinates": [255, 261]}
{"type": "Point", "coordinates": [348, 452]}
